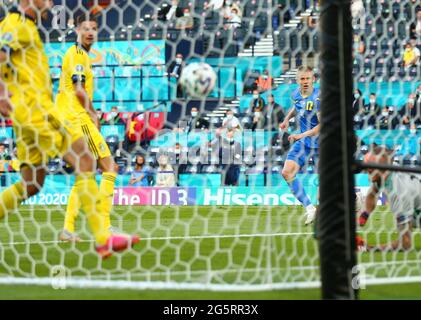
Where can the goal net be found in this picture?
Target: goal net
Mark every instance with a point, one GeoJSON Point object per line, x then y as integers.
{"type": "Point", "coordinates": [211, 205]}
{"type": "Point", "coordinates": [387, 106]}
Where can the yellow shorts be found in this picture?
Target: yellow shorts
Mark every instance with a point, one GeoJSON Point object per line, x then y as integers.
{"type": "Point", "coordinates": [95, 140]}
{"type": "Point", "coordinates": [44, 135]}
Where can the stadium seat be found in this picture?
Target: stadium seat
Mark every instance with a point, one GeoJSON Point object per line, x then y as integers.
{"type": "Point", "coordinates": [136, 128]}
{"type": "Point", "coordinates": [209, 169]}
{"type": "Point", "coordinates": [156, 121]}
{"type": "Point", "coordinates": [215, 122]}
{"type": "Point", "coordinates": [126, 116]}
{"type": "Point", "coordinates": [151, 161]}
{"type": "Point", "coordinates": [192, 169]}
{"type": "Point", "coordinates": [112, 142]}
{"type": "Point", "coordinates": [54, 166]}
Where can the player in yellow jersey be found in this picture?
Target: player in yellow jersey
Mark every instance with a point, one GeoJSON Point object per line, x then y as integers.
{"type": "Point", "coordinates": [41, 132]}
{"type": "Point", "coordinates": [74, 101]}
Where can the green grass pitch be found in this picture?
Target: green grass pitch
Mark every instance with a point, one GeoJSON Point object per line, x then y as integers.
{"type": "Point", "coordinates": [241, 245]}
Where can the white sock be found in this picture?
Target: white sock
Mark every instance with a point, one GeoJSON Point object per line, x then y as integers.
{"type": "Point", "coordinates": [310, 207]}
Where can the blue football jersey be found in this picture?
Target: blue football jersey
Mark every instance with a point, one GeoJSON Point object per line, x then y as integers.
{"type": "Point", "coordinates": [306, 114]}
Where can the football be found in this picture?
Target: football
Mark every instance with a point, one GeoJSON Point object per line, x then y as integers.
{"type": "Point", "coordinates": [198, 79]}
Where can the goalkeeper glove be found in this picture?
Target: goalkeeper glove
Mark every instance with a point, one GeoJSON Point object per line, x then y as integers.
{"type": "Point", "coordinates": [362, 219]}
{"type": "Point", "coordinates": [361, 246]}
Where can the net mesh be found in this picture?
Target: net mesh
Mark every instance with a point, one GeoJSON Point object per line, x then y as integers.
{"type": "Point", "coordinates": [218, 226]}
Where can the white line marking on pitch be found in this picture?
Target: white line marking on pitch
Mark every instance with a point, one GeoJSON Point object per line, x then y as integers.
{"type": "Point", "coordinates": [181, 237]}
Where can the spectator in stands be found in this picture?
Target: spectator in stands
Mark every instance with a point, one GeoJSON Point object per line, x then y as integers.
{"type": "Point", "coordinates": [180, 159]}
{"type": "Point", "coordinates": [177, 151]}
{"type": "Point", "coordinates": [388, 119]}
{"type": "Point", "coordinates": [410, 113]}
{"type": "Point", "coordinates": [196, 122]}
{"type": "Point", "coordinates": [214, 5]}
{"type": "Point", "coordinates": [280, 139]}
{"type": "Point", "coordinates": [4, 154]}
{"type": "Point", "coordinates": [418, 96]}
{"type": "Point", "coordinates": [313, 17]}
{"type": "Point", "coordinates": [250, 81]}
{"type": "Point", "coordinates": [232, 19]}
{"type": "Point", "coordinates": [258, 120]}
{"type": "Point", "coordinates": [372, 111]}
{"type": "Point", "coordinates": [358, 109]}
{"type": "Point", "coordinates": [227, 9]}
{"type": "Point", "coordinates": [165, 176]}
{"type": "Point", "coordinates": [411, 55]}
{"type": "Point", "coordinates": [256, 102]}
{"type": "Point", "coordinates": [170, 11]}
{"type": "Point", "coordinates": [359, 44]}
{"type": "Point", "coordinates": [273, 113]}
{"type": "Point", "coordinates": [358, 102]}
{"type": "Point", "coordinates": [99, 114]}
{"type": "Point", "coordinates": [142, 174]}
{"type": "Point", "coordinates": [415, 28]}
{"type": "Point", "coordinates": [174, 71]}
{"type": "Point", "coordinates": [230, 159]}
{"type": "Point", "coordinates": [264, 82]}
{"type": "Point", "coordinates": [113, 117]}
{"type": "Point", "coordinates": [231, 122]}
{"type": "Point", "coordinates": [186, 21]}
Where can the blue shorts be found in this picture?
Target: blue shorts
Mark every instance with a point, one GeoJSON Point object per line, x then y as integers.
{"type": "Point", "coordinates": [300, 153]}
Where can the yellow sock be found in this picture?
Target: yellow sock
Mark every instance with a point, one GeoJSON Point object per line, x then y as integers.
{"type": "Point", "coordinates": [89, 198]}
{"type": "Point", "coordinates": [106, 189]}
{"type": "Point", "coordinates": [72, 210]}
{"type": "Point", "coordinates": [11, 198]}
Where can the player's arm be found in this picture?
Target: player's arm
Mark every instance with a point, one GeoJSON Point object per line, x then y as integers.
{"type": "Point", "coordinates": [369, 205]}
{"type": "Point", "coordinates": [85, 101]}
{"type": "Point", "coordinates": [5, 105]}
{"type": "Point", "coordinates": [404, 241]}
{"type": "Point", "coordinates": [132, 180]}
{"type": "Point", "coordinates": [402, 207]}
{"type": "Point", "coordinates": [74, 66]}
{"type": "Point", "coordinates": [291, 113]}
{"type": "Point", "coordinates": [314, 131]}
{"type": "Point", "coordinates": [309, 133]}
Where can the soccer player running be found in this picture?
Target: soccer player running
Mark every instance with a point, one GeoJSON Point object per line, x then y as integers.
{"type": "Point", "coordinates": [403, 192]}
{"type": "Point", "coordinates": [306, 105]}
{"type": "Point", "coordinates": [74, 101]}
{"type": "Point", "coordinates": [41, 132]}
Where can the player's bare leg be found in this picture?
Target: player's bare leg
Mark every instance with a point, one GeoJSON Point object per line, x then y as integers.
{"type": "Point", "coordinates": [32, 181]}
{"type": "Point", "coordinates": [289, 173]}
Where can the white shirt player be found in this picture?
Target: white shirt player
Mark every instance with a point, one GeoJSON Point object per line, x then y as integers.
{"type": "Point", "coordinates": [403, 191]}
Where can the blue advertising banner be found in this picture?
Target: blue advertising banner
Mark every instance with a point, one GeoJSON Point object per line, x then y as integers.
{"type": "Point", "coordinates": [57, 190]}
{"type": "Point", "coordinates": [114, 130]}
{"type": "Point", "coordinates": [6, 132]}
{"type": "Point", "coordinates": [136, 52]}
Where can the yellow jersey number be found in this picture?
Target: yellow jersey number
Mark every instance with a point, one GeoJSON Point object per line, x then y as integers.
{"type": "Point", "coordinates": [309, 105]}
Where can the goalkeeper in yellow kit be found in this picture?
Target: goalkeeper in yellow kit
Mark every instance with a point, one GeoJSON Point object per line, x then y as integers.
{"type": "Point", "coordinates": [74, 101]}
{"type": "Point", "coordinates": [41, 132]}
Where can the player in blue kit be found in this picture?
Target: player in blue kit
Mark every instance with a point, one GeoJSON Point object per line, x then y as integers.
{"type": "Point", "coordinates": [306, 106]}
